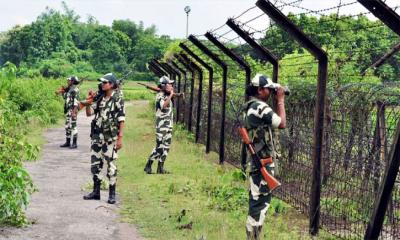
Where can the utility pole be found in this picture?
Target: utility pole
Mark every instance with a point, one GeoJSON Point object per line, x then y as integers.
{"type": "Point", "coordinates": [187, 11]}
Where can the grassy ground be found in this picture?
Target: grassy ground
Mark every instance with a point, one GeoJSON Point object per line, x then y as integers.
{"type": "Point", "coordinates": [200, 200]}
{"type": "Point", "coordinates": [131, 90]}
{"type": "Point", "coordinates": [35, 134]}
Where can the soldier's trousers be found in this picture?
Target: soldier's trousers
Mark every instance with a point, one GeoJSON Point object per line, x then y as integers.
{"type": "Point", "coordinates": [259, 201]}
{"type": "Point", "coordinates": [101, 152]}
{"type": "Point", "coordinates": [163, 143]}
{"type": "Point", "coordinates": [70, 125]}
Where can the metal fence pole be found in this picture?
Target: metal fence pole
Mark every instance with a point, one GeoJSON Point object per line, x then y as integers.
{"type": "Point", "coordinates": [285, 23]}
{"type": "Point", "coordinates": [156, 66]}
{"type": "Point", "coordinates": [177, 75]}
{"type": "Point", "coordinates": [192, 72]}
{"type": "Point", "coordinates": [168, 71]}
{"type": "Point", "coordinates": [391, 19]}
{"type": "Point", "coordinates": [210, 85]}
{"type": "Point", "coordinates": [200, 73]}
{"type": "Point", "coordinates": [263, 52]}
{"type": "Point", "coordinates": [179, 88]}
{"type": "Point", "coordinates": [224, 67]}
{"type": "Point", "coordinates": [173, 72]}
{"type": "Point", "coordinates": [200, 91]}
{"type": "Point", "coordinates": [154, 70]}
{"type": "Point", "coordinates": [243, 64]}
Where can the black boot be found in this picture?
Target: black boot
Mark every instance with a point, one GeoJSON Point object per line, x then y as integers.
{"type": "Point", "coordinates": [95, 195]}
{"type": "Point", "coordinates": [254, 234]}
{"type": "Point", "coordinates": [67, 143]}
{"type": "Point", "coordinates": [160, 168]}
{"type": "Point", "coordinates": [147, 169]}
{"type": "Point", "coordinates": [74, 140]}
{"type": "Point", "coordinates": [111, 197]}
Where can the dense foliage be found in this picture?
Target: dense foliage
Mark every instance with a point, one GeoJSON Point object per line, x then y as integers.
{"type": "Point", "coordinates": [353, 43]}
{"type": "Point", "coordinates": [22, 103]}
{"type": "Point", "coordinates": [59, 44]}
{"type": "Point", "coordinates": [355, 40]}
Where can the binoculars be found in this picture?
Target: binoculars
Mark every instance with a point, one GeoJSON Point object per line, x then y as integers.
{"type": "Point", "coordinates": [275, 87]}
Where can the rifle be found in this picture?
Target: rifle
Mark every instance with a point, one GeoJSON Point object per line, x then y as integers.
{"type": "Point", "coordinates": [157, 89]}
{"type": "Point", "coordinates": [64, 89]}
{"type": "Point", "coordinates": [259, 163]}
{"type": "Point", "coordinates": [95, 96]}
{"type": "Point", "coordinates": [61, 90]}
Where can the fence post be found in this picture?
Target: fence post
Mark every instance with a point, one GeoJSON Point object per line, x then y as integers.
{"type": "Point", "coordinates": [168, 71]}
{"type": "Point", "coordinates": [280, 19]}
{"type": "Point", "coordinates": [178, 75]}
{"type": "Point", "coordinates": [210, 84]}
{"type": "Point", "coordinates": [200, 73]}
{"type": "Point", "coordinates": [263, 52]}
{"type": "Point", "coordinates": [224, 67]}
{"type": "Point", "coordinates": [179, 88]}
{"type": "Point", "coordinates": [243, 64]}
{"type": "Point", "coordinates": [391, 19]}
{"type": "Point", "coordinates": [173, 72]}
{"type": "Point", "coordinates": [382, 201]}
{"type": "Point", "coordinates": [157, 66]}
{"type": "Point", "coordinates": [382, 11]}
{"type": "Point", "coordinates": [200, 94]}
{"type": "Point", "coordinates": [154, 70]}
{"type": "Point", "coordinates": [192, 72]}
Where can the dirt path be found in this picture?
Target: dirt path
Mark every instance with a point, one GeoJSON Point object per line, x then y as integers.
{"type": "Point", "coordinates": [57, 209]}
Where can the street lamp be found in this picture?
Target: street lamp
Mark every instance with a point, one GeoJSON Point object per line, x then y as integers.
{"type": "Point", "coordinates": [187, 11]}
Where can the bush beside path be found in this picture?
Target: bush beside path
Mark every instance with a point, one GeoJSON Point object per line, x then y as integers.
{"type": "Point", "coordinates": [57, 210]}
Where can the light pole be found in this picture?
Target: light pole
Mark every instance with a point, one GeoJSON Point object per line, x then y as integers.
{"type": "Point", "coordinates": [187, 11]}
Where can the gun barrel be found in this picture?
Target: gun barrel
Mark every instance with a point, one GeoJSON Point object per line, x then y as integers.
{"type": "Point", "coordinates": [156, 89]}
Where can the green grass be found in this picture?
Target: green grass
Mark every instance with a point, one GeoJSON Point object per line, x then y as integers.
{"type": "Point", "coordinates": [131, 90]}
{"type": "Point", "coordinates": [200, 200]}
{"type": "Point", "coordinates": [35, 134]}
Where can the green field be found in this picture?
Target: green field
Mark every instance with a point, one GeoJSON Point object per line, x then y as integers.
{"type": "Point", "coordinates": [131, 90]}
{"type": "Point", "coordinates": [200, 200]}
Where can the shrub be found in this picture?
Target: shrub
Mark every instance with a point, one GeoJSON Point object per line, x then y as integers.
{"type": "Point", "coordinates": [21, 101]}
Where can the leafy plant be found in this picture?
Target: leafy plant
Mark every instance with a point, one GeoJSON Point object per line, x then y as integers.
{"type": "Point", "coordinates": [21, 101]}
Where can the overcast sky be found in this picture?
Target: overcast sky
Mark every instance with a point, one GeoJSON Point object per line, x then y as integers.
{"type": "Point", "coordinates": [167, 15]}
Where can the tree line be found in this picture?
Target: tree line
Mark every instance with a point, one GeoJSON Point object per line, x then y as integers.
{"type": "Point", "coordinates": [58, 44]}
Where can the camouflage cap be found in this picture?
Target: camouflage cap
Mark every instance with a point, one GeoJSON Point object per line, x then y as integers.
{"type": "Point", "coordinates": [109, 77]}
{"type": "Point", "coordinates": [166, 80]}
{"type": "Point", "coordinates": [75, 79]}
{"type": "Point", "coordinates": [260, 80]}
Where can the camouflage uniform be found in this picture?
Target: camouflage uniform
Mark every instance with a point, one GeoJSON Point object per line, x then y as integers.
{"type": "Point", "coordinates": [105, 127]}
{"type": "Point", "coordinates": [71, 101]}
{"type": "Point", "coordinates": [164, 122]}
{"type": "Point", "coordinates": [259, 119]}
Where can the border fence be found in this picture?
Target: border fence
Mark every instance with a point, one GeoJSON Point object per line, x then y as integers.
{"type": "Point", "coordinates": [339, 156]}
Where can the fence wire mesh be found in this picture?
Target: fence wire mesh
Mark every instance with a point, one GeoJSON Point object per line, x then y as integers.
{"type": "Point", "coordinates": [360, 119]}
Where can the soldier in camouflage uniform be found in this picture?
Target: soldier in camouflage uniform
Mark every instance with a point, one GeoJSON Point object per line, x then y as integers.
{"type": "Point", "coordinates": [259, 120]}
{"type": "Point", "coordinates": [106, 134]}
{"type": "Point", "coordinates": [71, 102]}
{"type": "Point", "coordinates": [164, 121]}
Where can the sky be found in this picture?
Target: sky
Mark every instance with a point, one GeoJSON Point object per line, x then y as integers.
{"type": "Point", "coordinates": [168, 15]}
